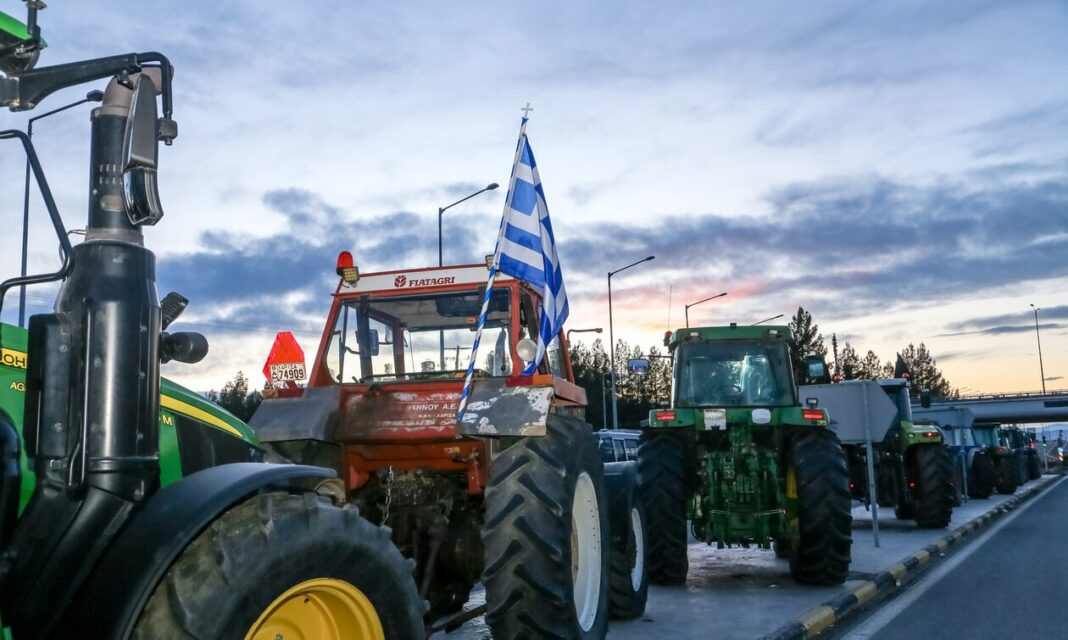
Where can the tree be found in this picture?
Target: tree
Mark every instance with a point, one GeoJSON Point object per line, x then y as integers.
{"type": "Point", "coordinates": [924, 371]}
{"type": "Point", "coordinates": [236, 399]}
{"type": "Point", "coordinates": [872, 368]}
{"type": "Point", "coordinates": [807, 342]}
{"type": "Point", "coordinates": [848, 364]}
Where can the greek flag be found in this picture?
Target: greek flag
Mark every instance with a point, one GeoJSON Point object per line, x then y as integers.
{"type": "Point", "coordinates": [526, 248]}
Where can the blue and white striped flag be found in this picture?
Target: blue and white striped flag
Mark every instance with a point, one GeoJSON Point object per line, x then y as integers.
{"type": "Point", "coordinates": [526, 247]}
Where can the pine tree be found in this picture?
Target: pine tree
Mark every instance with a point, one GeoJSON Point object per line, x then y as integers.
{"type": "Point", "coordinates": [872, 368]}
{"type": "Point", "coordinates": [924, 371]}
{"type": "Point", "coordinates": [807, 341]}
{"type": "Point", "coordinates": [235, 397]}
{"type": "Point", "coordinates": [849, 364]}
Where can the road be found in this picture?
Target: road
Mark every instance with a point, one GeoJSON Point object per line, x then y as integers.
{"type": "Point", "coordinates": [1010, 583]}
{"type": "Point", "coordinates": [741, 594]}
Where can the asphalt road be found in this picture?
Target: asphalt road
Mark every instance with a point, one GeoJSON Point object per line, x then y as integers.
{"type": "Point", "coordinates": [1010, 583]}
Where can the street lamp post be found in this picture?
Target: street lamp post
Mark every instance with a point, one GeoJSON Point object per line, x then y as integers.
{"type": "Point", "coordinates": [1038, 338]}
{"type": "Point", "coordinates": [612, 339]}
{"type": "Point", "coordinates": [441, 211]}
{"type": "Point", "coordinates": [92, 96]}
{"type": "Point", "coordinates": [767, 319]}
{"type": "Point", "coordinates": [694, 304]}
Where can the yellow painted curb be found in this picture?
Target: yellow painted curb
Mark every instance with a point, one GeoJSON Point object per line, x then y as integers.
{"type": "Point", "coordinates": [817, 620]}
{"type": "Point", "coordinates": [898, 571]}
{"type": "Point", "coordinates": [922, 556]}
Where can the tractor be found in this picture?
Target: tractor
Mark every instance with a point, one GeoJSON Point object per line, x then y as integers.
{"type": "Point", "coordinates": [1022, 444]}
{"type": "Point", "coordinates": [513, 494]}
{"type": "Point", "coordinates": [739, 456]}
{"type": "Point", "coordinates": [1007, 472]}
{"type": "Point", "coordinates": [139, 514]}
{"type": "Point", "coordinates": [913, 469]}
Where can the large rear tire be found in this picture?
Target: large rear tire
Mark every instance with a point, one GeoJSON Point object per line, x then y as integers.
{"type": "Point", "coordinates": [1034, 468]}
{"type": "Point", "coordinates": [662, 476]}
{"type": "Point", "coordinates": [283, 564]}
{"type": "Point", "coordinates": [1008, 475]}
{"type": "Point", "coordinates": [821, 555]}
{"type": "Point", "coordinates": [546, 537]}
{"type": "Point", "coordinates": [983, 476]}
{"type": "Point", "coordinates": [933, 494]}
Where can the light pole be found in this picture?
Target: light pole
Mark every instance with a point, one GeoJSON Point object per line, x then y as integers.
{"type": "Point", "coordinates": [694, 304]}
{"type": "Point", "coordinates": [612, 339]}
{"type": "Point", "coordinates": [767, 320]}
{"type": "Point", "coordinates": [1041, 369]}
{"type": "Point", "coordinates": [441, 210]}
{"type": "Point", "coordinates": [92, 96]}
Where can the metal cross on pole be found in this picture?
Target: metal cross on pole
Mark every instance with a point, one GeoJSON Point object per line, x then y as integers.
{"type": "Point", "coordinates": [526, 110]}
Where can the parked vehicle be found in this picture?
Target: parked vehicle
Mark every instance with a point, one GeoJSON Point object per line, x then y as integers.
{"type": "Point", "coordinates": [618, 445]}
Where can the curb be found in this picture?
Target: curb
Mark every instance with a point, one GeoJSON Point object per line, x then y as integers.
{"type": "Point", "coordinates": [817, 620]}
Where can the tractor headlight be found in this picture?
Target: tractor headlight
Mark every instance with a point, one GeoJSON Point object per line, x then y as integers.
{"type": "Point", "coordinates": [526, 349]}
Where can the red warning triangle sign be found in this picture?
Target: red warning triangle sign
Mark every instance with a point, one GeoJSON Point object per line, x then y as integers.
{"type": "Point", "coordinates": [286, 360]}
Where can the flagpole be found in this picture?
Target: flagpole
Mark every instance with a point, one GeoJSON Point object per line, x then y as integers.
{"type": "Point", "coordinates": [465, 395]}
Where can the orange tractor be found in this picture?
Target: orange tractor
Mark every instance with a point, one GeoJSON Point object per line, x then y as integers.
{"type": "Point", "coordinates": [514, 495]}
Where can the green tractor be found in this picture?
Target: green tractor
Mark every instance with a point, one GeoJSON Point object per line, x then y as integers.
{"type": "Point", "coordinates": [1007, 477]}
{"type": "Point", "coordinates": [910, 464]}
{"type": "Point", "coordinates": [739, 456]}
{"type": "Point", "coordinates": [130, 513]}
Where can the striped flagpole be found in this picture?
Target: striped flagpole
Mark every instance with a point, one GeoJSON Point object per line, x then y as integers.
{"type": "Point", "coordinates": [465, 395]}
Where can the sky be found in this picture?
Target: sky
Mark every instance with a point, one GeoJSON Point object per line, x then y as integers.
{"type": "Point", "coordinates": [898, 169]}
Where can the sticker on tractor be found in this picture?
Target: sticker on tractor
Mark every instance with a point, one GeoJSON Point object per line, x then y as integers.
{"type": "Point", "coordinates": [715, 419]}
{"type": "Point", "coordinates": [12, 358]}
{"type": "Point", "coordinates": [286, 360]}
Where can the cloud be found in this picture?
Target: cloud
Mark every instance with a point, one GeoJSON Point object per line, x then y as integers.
{"type": "Point", "coordinates": [992, 322]}
{"type": "Point", "coordinates": [1053, 378]}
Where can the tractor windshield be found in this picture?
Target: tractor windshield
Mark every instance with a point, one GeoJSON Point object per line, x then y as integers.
{"type": "Point", "coordinates": [418, 337]}
{"type": "Point", "coordinates": [733, 374]}
{"type": "Point", "coordinates": [986, 437]}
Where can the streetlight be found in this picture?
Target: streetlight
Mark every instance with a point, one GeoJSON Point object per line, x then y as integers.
{"type": "Point", "coordinates": [694, 304]}
{"type": "Point", "coordinates": [1041, 369]}
{"type": "Point", "coordinates": [612, 339]}
{"type": "Point", "coordinates": [767, 320]}
{"type": "Point", "coordinates": [92, 96]}
{"type": "Point", "coordinates": [441, 210]}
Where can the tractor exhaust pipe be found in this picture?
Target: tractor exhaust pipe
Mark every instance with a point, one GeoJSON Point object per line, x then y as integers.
{"type": "Point", "coordinates": [92, 392]}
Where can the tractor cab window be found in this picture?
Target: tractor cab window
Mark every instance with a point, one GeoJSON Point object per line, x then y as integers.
{"type": "Point", "coordinates": [985, 437]}
{"type": "Point", "coordinates": [418, 337]}
{"type": "Point", "coordinates": [733, 374]}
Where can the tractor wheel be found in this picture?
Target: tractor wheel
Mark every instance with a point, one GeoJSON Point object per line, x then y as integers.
{"type": "Point", "coordinates": [1008, 475]}
{"type": "Point", "coordinates": [821, 553]}
{"type": "Point", "coordinates": [286, 565]}
{"type": "Point", "coordinates": [629, 579]}
{"type": "Point", "coordinates": [933, 493]}
{"type": "Point", "coordinates": [983, 476]}
{"type": "Point", "coordinates": [546, 536]}
{"type": "Point", "coordinates": [662, 476]}
{"type": "Point", "coordinates": [1034, 469]}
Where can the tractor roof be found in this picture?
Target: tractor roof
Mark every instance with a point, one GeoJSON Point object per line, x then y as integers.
{"type": "Point", "coordinates": [778, 333]}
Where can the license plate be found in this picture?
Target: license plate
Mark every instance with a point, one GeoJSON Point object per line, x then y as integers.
{"type": "Point", "coordinates": [287, 371]}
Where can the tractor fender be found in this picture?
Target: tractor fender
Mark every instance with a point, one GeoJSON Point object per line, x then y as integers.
{"type": "Point", "coordinates": [621, 486]}
{"type": "Point", "coordinates": [111, 600]}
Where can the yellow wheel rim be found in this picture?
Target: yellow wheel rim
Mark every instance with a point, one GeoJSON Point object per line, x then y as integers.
{"type": "Point", "coordinates": [320, 609]}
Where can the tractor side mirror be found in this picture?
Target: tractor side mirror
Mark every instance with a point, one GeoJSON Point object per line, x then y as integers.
{"type": "Point", "coordinates": [184, 346]}
{"type": "Point", "coordinates": [816, 370]}
{"type": "Point", "coordinates": [140, 188]}
{"type": "Point", "coordinates": [925, 398]}
{"type": "Point", "coordinates": [371, 346]}
{"type": "Point", "coordinates": [638, 366]}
